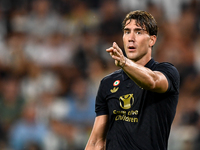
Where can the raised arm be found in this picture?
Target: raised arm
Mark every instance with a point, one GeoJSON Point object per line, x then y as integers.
{"type": "Point", "coordinates": [142, 76]}
{"type": "Point", "coordinates": [97, 138]}
{"type": "Point", "coordinates": [146, 78]}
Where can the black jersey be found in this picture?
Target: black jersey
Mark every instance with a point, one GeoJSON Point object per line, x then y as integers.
{"type": "Point", "coordinates": [138, 119]}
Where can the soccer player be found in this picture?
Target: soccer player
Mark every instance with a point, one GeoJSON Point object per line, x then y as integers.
{"type": "Point", "coordinates": [136, 105]}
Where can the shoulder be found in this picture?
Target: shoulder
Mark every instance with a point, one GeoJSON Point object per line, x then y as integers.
{"type": "Point", "coordinates": [163, 66]}
{"type": "Point", "coordinates": [112, 75]}
{"type": "Point", "coordinates": [109, 79]}
{"type": "Point", "coordinates": [166, 67]}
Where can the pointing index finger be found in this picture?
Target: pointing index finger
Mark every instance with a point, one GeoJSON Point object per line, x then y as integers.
{"type": "Point", "coordinates": [109, 49]}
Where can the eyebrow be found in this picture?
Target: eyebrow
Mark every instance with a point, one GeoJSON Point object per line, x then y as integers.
{"type": "Point", "coordinates": [136, 29]}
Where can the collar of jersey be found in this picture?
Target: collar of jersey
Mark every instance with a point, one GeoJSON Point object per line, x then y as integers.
{"type": "Point", "coordinates": [148, 65]}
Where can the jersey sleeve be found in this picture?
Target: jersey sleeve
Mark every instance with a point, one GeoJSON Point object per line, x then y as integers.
{"type": "Point", "coordinates": [172, 76]}
{"type": "Point", "coordinates": [101, 107]}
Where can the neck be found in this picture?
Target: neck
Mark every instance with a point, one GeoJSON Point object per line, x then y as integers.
{"type": "Point", "coordinates": [143, 62]}
{"type": "Point", "coordinates": [144, 59]}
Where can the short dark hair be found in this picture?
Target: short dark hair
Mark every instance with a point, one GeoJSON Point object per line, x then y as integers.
{"type": "Point", "coordinates": [143, 19]}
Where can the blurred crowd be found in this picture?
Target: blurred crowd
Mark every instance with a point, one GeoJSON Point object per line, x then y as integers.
{"type": "Point", "coordinates": [52, 58]}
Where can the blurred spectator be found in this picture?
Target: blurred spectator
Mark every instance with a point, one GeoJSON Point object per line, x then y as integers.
{"type": "Point", "coordinates": [55, 51]}
{"type": "Point", "coordinates": [43, 20]}
{"type": "Point", "coordinates": [56, 137]}
{"type": "Point", "coordinates": [81, 111]}
{"type": "Point", "coordinates": [80, 18]}
{"type": "Point", "coordinates": [110, 28]}
{"type": "Point", "coordinates": [27, 130]}
{"type": "Point", "coordinates": [11, 104]}
{"type": "Point", "coordinates": [81, 104]}
{"type": "Point", "coordinates": [55, 107]}
{"type": "Point", "coordinates": [38, 81]}
{"type": "Point", "coordinates": [172, 9]}
{"type": "Point", "coordinates": [111, 19]}
{"type": "Point", "coordinates": [18, 20]}
{"type": "Point", "coordinates": [96, 70]}
{"type": "Point", "coordinates": [12, 56]}
{"type": "Point", "coordinates": [86, 50]}
{"type": "Point", "coordinates": [46, 100]}
{"type": "Point", "coordinates": [58, 134]}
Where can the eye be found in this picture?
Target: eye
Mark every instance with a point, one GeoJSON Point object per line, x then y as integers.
{"type": "Point", "coordinates": [138, 32]}
{"type": "Point", "coordinates": [126, 32]}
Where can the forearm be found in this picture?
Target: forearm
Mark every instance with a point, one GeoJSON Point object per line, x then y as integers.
{"type": "Point", "coordinates": [97, 140]}
{"type": "Point", "coordinates": [142, 76]}
{"type": "Point", "coordinates": [96, 145]}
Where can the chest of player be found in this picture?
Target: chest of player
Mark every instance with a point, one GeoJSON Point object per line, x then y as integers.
{"type": "Point", "coordinates": [124, 98]}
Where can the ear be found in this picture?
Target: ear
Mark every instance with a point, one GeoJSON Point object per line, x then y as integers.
{"type": "Point", "coordinates": [152, 40]}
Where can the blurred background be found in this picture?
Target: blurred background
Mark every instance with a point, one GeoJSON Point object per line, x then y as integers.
{"type": "Point", "coordinates": [52, 58]}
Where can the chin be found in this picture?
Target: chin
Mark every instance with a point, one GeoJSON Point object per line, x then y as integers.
{"type": "Point", "coordinates": [132, 57]}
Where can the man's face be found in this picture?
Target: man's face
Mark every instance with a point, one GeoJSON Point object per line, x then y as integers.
{"type": "Point", "coordinates": [136, 41]}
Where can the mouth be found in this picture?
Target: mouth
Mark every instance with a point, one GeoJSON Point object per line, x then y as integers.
{"type": "Point", "coordinates": [131, 48]}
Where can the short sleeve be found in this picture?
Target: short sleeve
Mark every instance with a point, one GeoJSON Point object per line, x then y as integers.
{"type": "Point", "coordinates": [172, 76]}
{"type": "Point", "coordinates": [101, 107]}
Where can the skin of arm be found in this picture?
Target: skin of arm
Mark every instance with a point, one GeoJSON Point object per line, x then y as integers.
{"type": "Point", "coordinates": [97, 140]}
{"type": "Point", "coordinates": [145, 78]}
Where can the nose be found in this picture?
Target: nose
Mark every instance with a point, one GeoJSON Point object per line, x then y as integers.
{"type": "Point", "coordinates": [131, 37]}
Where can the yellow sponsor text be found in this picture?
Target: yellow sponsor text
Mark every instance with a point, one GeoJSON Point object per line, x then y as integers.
{"type": "Point", "coordinates": [126, 118]}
